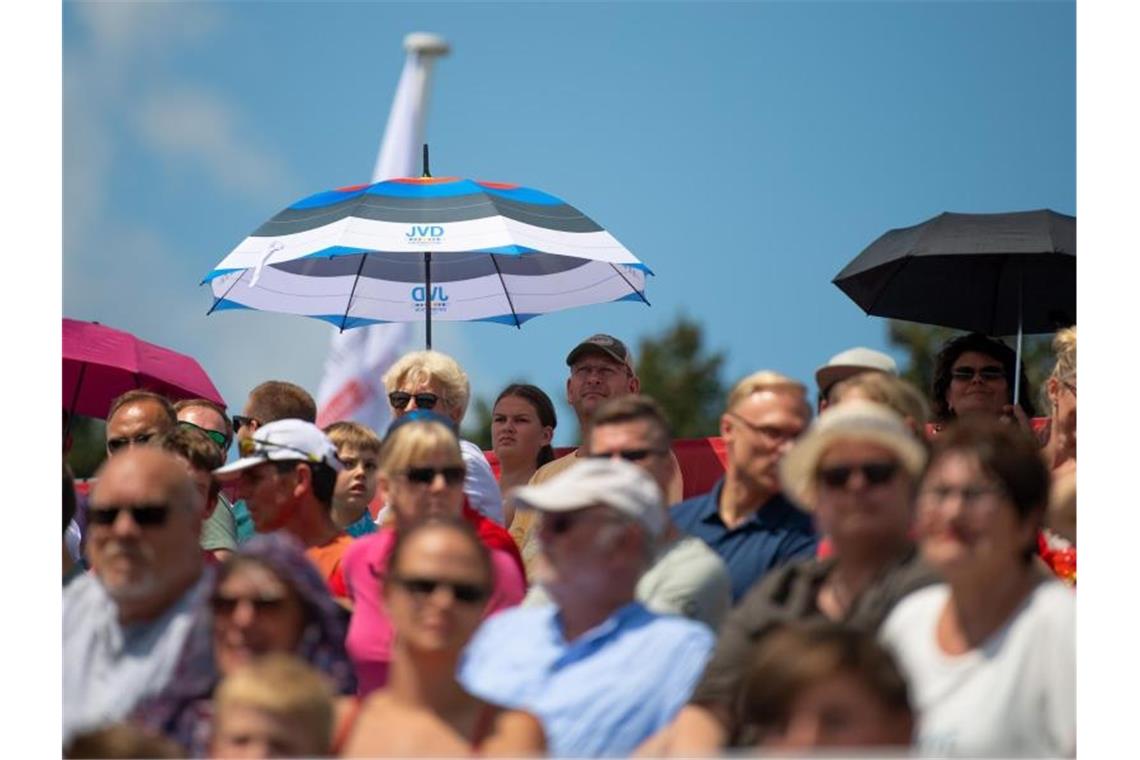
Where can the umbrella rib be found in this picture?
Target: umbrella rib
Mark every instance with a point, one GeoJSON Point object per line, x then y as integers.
{"type": "Point", "coordinates": [348, 306]}
{"type": "Point", "coordinates": [506, 293]}
{"type": "Point", "coordinates": [222, 297]}
{"type": "Point", "coordinates": [630, 284]}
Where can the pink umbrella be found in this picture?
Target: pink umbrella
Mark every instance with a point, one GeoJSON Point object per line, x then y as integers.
{"type": "Point", "coordinates": [100, 363]}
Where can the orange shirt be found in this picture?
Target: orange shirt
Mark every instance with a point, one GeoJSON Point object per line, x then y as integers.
{"type": "Point", "coordinates": [327, 559]}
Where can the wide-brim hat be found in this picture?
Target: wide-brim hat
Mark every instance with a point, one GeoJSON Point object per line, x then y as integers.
{"type": "Point", "coordinates": [856, 420]}
{"type": "Point", "coordinates": [851, 362]}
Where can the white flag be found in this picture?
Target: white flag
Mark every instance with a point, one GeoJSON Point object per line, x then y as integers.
{"type": "Point", "coordinates": [351, 388]}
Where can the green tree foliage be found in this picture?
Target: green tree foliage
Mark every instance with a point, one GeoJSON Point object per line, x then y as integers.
{"type": "Point", "coordinates": [677, 370]}
{"type": "Point", "coordinates": [922, 343]}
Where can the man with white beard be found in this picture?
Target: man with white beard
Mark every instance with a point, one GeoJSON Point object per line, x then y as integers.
{"type": "Point", "coordinates": [124, 624]}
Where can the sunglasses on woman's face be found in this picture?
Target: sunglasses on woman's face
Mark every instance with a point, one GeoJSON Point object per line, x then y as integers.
{"type": "Point", "coordinates": [225, 605]}
{"type": "Point", "coordinates": [466, 593]}
{"type": "Point", "coordinates": [453, 476]}
{"type": "Point", "coordinates": [874, 473]}
{"type": "Point", "coordinates": [399, 400]}
{"type": "Point", "coordinates": [213, 435]}
{"type": "Point", "coordinates": [144, 515]}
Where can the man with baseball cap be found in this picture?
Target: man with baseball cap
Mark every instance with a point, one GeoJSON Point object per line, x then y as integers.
{"type": "Point", "coordinates": [568, 662]}
{"type": "Point", "coordinates": [849, 363]}
{"type": "Point", "coordinates": [286, 477]}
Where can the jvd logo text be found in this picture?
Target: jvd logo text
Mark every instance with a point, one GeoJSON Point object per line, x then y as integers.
{"type": "Point", "coordinates": [424, 231]}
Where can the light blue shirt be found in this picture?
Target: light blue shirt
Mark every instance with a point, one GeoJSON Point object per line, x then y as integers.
{"type": "Point", "coordinates": [109, 668]}
{"type": "Point", "coordinates": [603, 693]}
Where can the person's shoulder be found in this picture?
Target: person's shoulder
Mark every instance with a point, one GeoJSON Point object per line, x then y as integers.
{"type": "Point", "coordinates": [920, 605]}
{"type": "Point", "coordinates": [82, 594]}
{"type": "Point", "coordinates": [679, 629]}
{"type": "Point", "coordinates": [684, 512]}
{"type": "Point", "coordinates": [366, 547]}
{"type": "Point", "coordinates": [474, 456]}
{"type": "Point", "coordinates": [552, 468]}
{"type": "Point", "coordinates": [697, 557]}
{"type": "Point", "coordinates": [1054, 604]}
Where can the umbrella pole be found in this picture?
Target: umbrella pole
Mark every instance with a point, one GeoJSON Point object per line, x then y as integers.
{"type": "Point", "coordinates": [427, 290]}
{"type": "Point", "coordinates": [1017, 361]}
{"type": "Point", "coordinates": [74, 400]}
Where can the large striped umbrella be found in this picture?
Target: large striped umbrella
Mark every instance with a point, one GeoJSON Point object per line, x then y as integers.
{"type": "Point", "coordinates": [414, 249]}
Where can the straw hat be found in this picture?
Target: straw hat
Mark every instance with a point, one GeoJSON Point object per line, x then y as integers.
{"type": "Point", "coordinates": [857, 420]}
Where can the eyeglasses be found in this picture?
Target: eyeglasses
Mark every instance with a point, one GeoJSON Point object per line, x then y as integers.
{"type": "Point", "coordinates": [771, 433]}
{"type": "Point", "coordinates": [248, 447]}
{"type": "Point", "coordinates": [227, 605]}
{"type": "Point", "coordinates": [604, 371]}
{"type": "Point", "coordinates": [144, 515]}
{"type": "Point", "coordinates": [239, 422]}
{"type": "Point", "coordinates": [966, 374]}
{"type": "Point", "coordinates": [465, 593]}
{"type": "Point", "coordinates": [971, 496]}
{"type": "Point", "coordinates": [629, 455]}
{"type": "Point", "coordinates": [874, 473]}
{"type": "Point", "coordinates": [399, 400]}
{"type": "Point", "coordinates": [141, 439]}
{"type": "Point", "coordinates": [214, 435]}
{"type": "Point", "coordinates": [453, 476]}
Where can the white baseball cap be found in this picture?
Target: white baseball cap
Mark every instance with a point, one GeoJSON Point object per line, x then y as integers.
{"type": "Point", "coordinates": [283, 441]}
{"type": "Point", "coordinates": [851, 362]}
{"type": "Point", "coordinates": [614, 483]}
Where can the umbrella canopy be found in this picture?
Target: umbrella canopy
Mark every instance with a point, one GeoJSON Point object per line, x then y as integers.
{"type": "Point", "coordinates": [987, 273]}
{"type": "Point", "coordinates": [376, 253]}
{"type": "Point", "coordinates": [101, 363]}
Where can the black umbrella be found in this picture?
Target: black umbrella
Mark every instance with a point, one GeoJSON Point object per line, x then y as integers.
{"type": "Point", "coordinates": [996, 274]}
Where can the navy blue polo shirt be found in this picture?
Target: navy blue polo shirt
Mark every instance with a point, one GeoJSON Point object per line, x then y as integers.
{"type": "Point", "coordinates": [775, 533]}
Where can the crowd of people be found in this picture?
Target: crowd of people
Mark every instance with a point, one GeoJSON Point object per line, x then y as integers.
{"type": "Point", "coordinates": [865, 575]}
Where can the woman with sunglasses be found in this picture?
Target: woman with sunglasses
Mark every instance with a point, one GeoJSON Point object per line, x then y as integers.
{"type": "Point", "coordinates": [421, 475]}
{"type": "Point", "coordinates": [438, 582]}
{"type": "Point", "coordinates": [268, 598]}
{"type": "Point", "coordinates": [974, 376]}
{"type": "Point", "coordinates": [433, 381]}
{"type": "Point", "coordinates": [855, 470]}
{"type": "Point", "coordinates": [990, 653]}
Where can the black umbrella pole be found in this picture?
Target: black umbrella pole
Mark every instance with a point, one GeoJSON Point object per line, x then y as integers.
{"type": "Point", "coordinates": [427, 292]}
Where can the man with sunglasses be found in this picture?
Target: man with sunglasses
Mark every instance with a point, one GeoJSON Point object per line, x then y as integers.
{"type": "Point", "coordinates": [286, 476]}
{"type": "Point", "coordinates": [124, 623]}
{"type": "Point", "coordinates": [136, 418]}
{"type": "Point", "coordinates": [219, 532]}
{"type": "Point", "coordinates": [598, 668]}
{"type": "Point", "coordinates": [745, 518]}
{"type": "Point", "coordinates": [687, 577]}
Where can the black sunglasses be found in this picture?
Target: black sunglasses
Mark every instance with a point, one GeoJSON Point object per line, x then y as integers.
{"type": "Point", "coordinates": [453, 476]}
{"type": "Point", "coordinates": [875, 473]}
{"type": "Point", "coordinates": [399, 400]}
{"type": "Point", "coordinates": [142, 439]}
{"type": "Point", "coordinates": [238, 421]}
{"type": "Point", "coordinates": [987, 373]}
{"type": "Point", "coordinates": [144, 515]}
{"type": "Point", "coordinates": [629, 455]}
{"type": "Point", "coordinates": [226, 605]}
{"type": "Point", "coordinates": [467, 593]}
{"type": "Point", "coordinates": [213, 435]}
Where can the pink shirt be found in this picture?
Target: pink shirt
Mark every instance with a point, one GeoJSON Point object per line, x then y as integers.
{"type": "Point", "coordinates": [370, 633]}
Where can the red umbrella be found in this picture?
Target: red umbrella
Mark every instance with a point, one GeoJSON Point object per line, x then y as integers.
{"type": "Point", "coordinates": [100, 363]}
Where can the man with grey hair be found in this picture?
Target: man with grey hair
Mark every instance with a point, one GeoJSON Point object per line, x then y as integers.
{"type": "Point", "coordinates": [568, 662]}
{"type": "Point", "coordinates": [124, 623]}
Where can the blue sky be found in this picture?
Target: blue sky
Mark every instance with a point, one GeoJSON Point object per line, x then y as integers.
{"type": "Point", "coordinates": [745, 151]}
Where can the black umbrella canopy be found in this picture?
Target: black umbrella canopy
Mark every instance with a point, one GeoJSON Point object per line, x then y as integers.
{"type": "Point", "coordinates": [977, 272]}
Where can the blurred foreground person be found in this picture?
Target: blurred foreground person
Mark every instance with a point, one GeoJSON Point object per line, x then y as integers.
{"type": "Point", "coordinates": [745, 518]}
{"type": "Point", "coordinates": [124, 624]}
{"type": "Point", "coordinates": [268, 599]}
{"type": "Point", "coordinates": [286, 476]}
{"type": "Point", "coordinates": [825, 686]}
{"type": "Point", "coordinates": [433, 381]}
{"type": "Point", "coordinates": [974, 377]}
{"type": "Point", "coordinates": [600, 670]}
{"type": "Point", "coordinates": [438, 582]}
{"type": "Point", "coordinates": [522, 426]}
{"type": "Point", "coordinates": [358, 449]}
{"type": "Point", "coordinates": [422, 474]}
{"type": "Point", "coordinates": [686, 577]}
{"type": "Point", "coordinates": [276, 706]}
{"type": "Point", "coordinates": [990, 654]}
{"type": "Point", "coordinates": [855, 470]}
{"type": "Point", "coordinates": [121, 741]}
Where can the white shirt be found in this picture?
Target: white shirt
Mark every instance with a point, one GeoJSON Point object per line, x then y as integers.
{"type": "Point", "coordinates": [1015, 695]}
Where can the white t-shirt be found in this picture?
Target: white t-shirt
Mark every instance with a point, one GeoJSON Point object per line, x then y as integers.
{"type": "Point", "coordinates": [1013, 696]}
